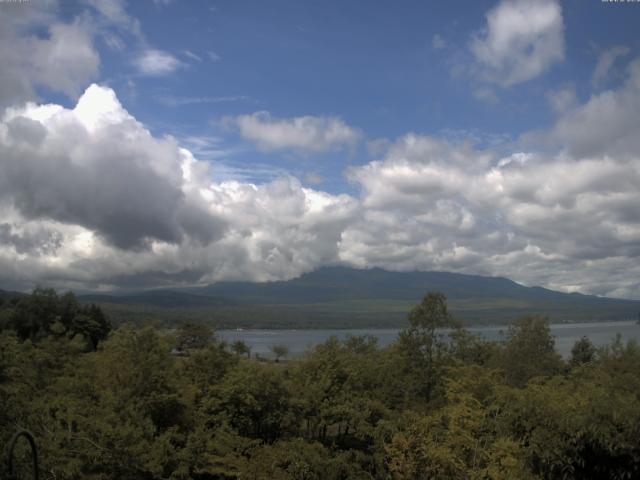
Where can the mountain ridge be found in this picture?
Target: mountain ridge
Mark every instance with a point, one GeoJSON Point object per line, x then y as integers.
{"type": "Point", "coordinates": [336, 297]}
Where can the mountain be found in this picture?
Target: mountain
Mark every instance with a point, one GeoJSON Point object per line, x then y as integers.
{"type": "Point", "coordinates": [7, 295]}
{"type": "Point", "coordinates": [331, 284]}
{"type": "Point", "coordinates": [337, 297]}
{"type": "Point", "coordinates": [161, 299]}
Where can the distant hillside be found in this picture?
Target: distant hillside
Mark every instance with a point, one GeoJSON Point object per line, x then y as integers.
{"type": "Point", "coordinates": [161, 299]}
{"type": "Point", "coordinates": [8, 295]}
{"type": "Point", "coordinates": [337, 283]}
{"type": "Point", "coordinates": [336, 297]}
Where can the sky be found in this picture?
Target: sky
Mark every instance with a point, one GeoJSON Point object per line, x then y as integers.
{"type": "Point", "coordinates": [169, 143]}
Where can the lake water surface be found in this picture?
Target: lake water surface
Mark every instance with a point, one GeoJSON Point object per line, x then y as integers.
{"type": "Point", "coordinates": [300, 341]}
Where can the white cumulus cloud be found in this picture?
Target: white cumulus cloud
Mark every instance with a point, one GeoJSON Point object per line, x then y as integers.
{"type": "Point", "coordinates": [305, 134]}
{"type": "Point", "coordinates": [522, 39]}
{"type": "Point", "coordinates": [540, 219]}
{"type": "Point", "coordinates": [155, 62]}
{"type": "Point", "coordinates": [606, 61]}
{"type": "Point", "coordinates": [89, 197]}
{"type": "Point", "coordinates": [605, 125]}
{"type": "Point", "coordinates": [38, 50]}
{"type": "Point", "coordinates": [97, 167]}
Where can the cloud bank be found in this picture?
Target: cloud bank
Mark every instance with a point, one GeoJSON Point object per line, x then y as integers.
{"type": "Point", "coordinates": [90, 198]}
{"type": "Point", "coordinates": [123, 206]}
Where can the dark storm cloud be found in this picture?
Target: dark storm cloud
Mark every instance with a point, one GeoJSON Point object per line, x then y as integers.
{"type": "Point", "coordinates": [38, 241]}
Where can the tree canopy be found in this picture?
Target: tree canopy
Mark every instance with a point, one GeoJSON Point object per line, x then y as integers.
{"type": "Point", "coordinates": [438, 403]}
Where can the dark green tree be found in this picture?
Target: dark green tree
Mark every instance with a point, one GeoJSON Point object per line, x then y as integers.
{"type": "Point", "coordinates": [255, 401]}
{"type": "Point", "coordinates": [92, 324]}
{"type": "Point", "coordinates": [280, 351]}
{"type": "Point", "coordinates": [35, 314]}
{"type": "Point", "coordinates": [423, 344]}
{"type": "Point", "coordinates": [583, 351]}
{"type": "Point", "coordinates": [193, 336]}
{"type": "Point", "coordinates": [241, 348]}
{"type": "Point", "coordinates": [44, 313]}
{"type": "Point", "coordinates": [529, 351]}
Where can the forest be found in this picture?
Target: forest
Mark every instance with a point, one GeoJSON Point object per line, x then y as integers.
{"type": "Point", "coordinates": [143, 403]}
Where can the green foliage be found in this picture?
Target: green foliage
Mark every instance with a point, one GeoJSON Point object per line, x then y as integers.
{"type": "Point", "coordinates": [459, 440]}
{"type": "Point", "coordinates": [529, 351]}
{"type": "Point", "coordinates": [241, 348]}
{"type": "Point", "coordinates": [280, 351]}
{"type": "Point", "coordinates": [44, 313]}
{"type": "Point", "coordinates": [426, 407]}
{"type": "Point", "coordinates": [423, 344]}
{"type": "Point", "coordinates": [583, 351]}
{"type": "Point", "coordinates": [193, 336]}
{"type": "Point", "coordinates": [472, 349]}
{"type": "Point", "coordinates": [288, 460]}
{"type": "Point", "coordinates": [431, 313]}
{"type": "Point", "coordinates": [255, 401]}
{"type": "Point", "coordinates": [579, 427]}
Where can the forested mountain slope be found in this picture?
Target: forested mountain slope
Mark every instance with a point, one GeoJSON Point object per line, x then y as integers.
{"type": "Point", "coordinates": [336, 297]}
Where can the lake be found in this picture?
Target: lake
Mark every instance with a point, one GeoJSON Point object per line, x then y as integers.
{"type": "Point", "coordinates": [300, 341]}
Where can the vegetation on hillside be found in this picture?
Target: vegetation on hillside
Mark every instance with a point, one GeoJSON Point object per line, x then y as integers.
{"type": "Point", "coordinates": [136, 404]}
{"type": "Point", "coordinates": [339, 297]}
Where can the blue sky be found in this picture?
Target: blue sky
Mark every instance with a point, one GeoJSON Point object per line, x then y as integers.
{"type": "Point", "coordinates": [386, 67]}
{"type": "Point", "coordinates": [493, 137]}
